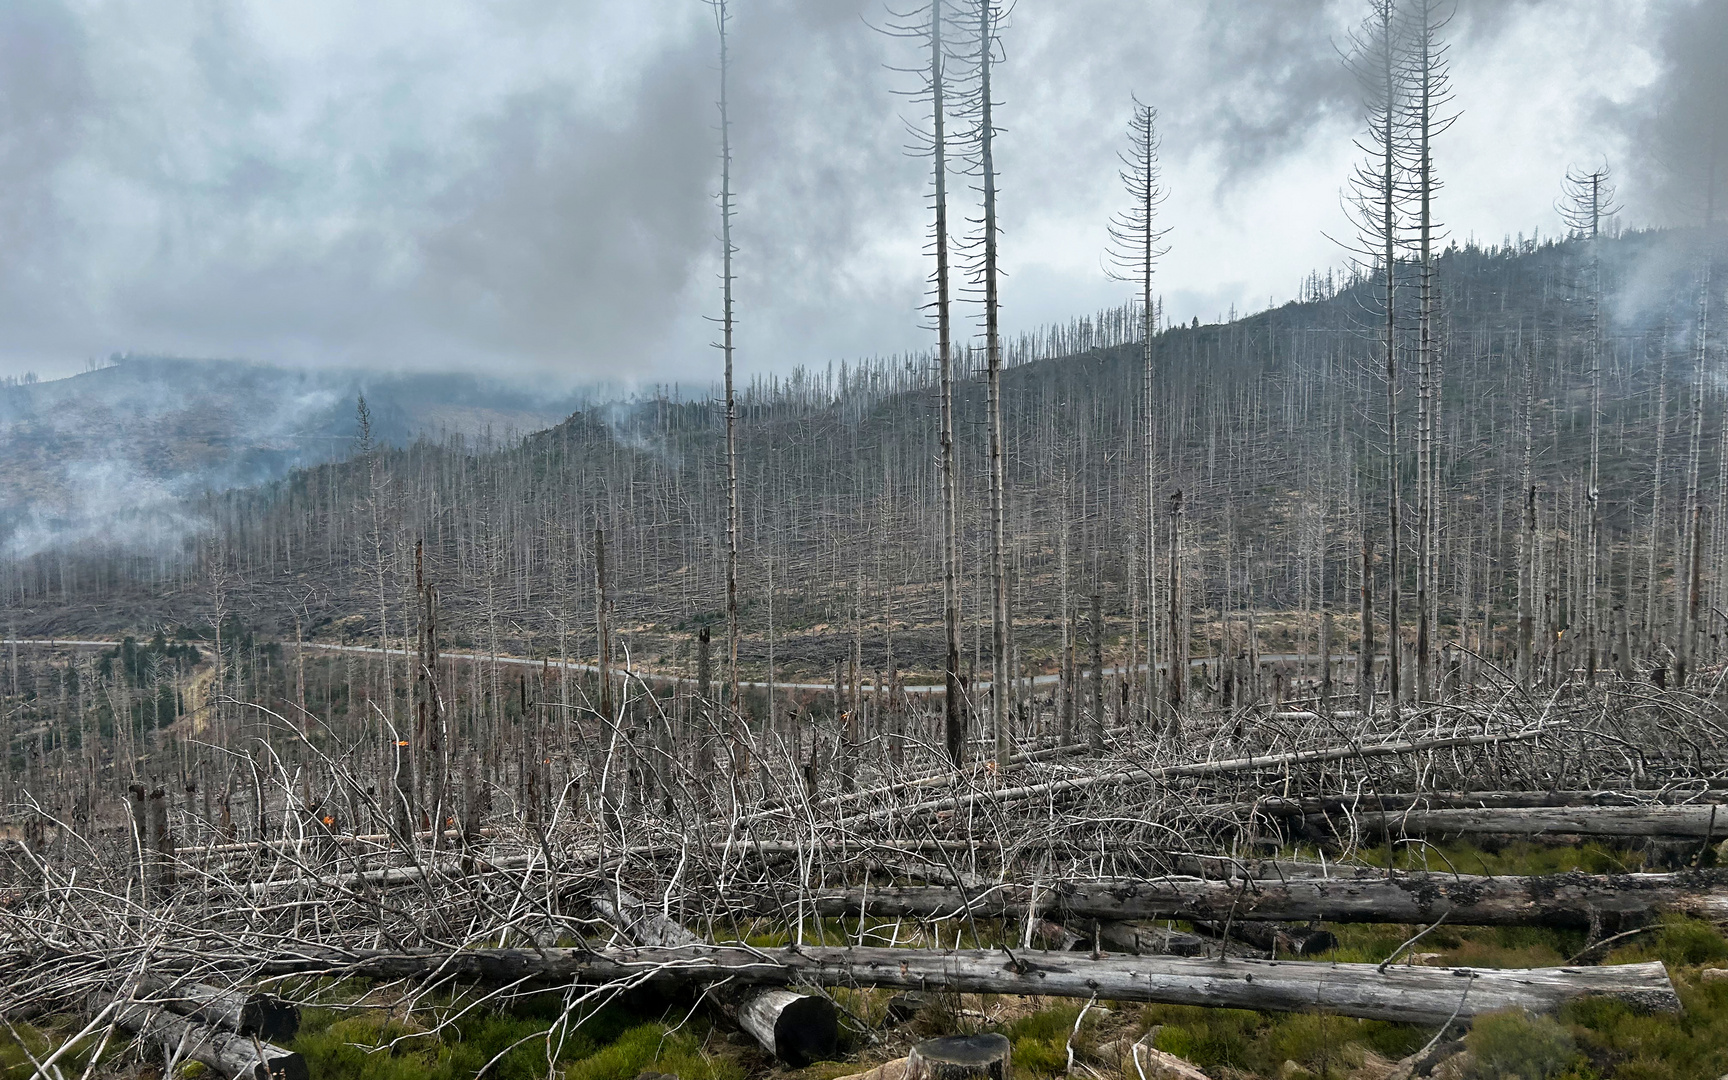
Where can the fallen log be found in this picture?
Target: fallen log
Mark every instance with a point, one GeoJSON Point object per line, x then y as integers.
{"type": "Point", "coordinates": [1567, 900]}
{"type": "Point", "coordinates": [1420, 995]}
{"type": "Point", "coordinates": [796, 1028]}
{"type": "Point", "coordinates": [243, 1057]}
{"type": "Point", "coordinates": [240, 1011]}
{"type": "Point", "coordinates": [1706, 821]}
{"type": "Point", "coordinates": [1149, 939]}
{"type": "Point", "coordinates": [1255, 763]}
{"type": "Point", "coordinates": [1275, 938]}
{"type": "Point", "coordinates": [1485, 800]}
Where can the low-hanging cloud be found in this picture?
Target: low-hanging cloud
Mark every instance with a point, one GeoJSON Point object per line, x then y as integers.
{"type": "Point", "coordinates": [528, 185]}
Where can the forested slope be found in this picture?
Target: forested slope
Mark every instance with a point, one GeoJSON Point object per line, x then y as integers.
{"type": "Point", "coordinates": [1272, 427]}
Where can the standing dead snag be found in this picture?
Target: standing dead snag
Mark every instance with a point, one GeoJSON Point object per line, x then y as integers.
{"type": "Point", "coordinates": [1587, 198]}
{"type": "Point", "coordinates": [1378, 186]}
{"type": "Point", "coordinates": [734, 705]}
{"type": "Point", "coordinates": [999, 685]}
{"type": "Point", "coordinates": [1134, 251]}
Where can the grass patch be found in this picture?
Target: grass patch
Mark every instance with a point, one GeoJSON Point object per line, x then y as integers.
{"type": "Point", "coordinates": [1040, 1040]}
{"type": "Point", "coordinates": [1515, 1044]}
{"type": "Point", "coordinates": [1521, 857]}
{"type": "Point", "coordinates": [373, 1044]}
{"type": "Point", "coordinates": [1260, 1043]}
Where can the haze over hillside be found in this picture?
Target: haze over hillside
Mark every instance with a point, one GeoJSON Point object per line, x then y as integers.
{"type": "Point", "coordinates": [122, 454]}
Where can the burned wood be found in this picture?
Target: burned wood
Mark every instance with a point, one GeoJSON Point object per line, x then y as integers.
{"type": "Point", "coordinates": [240, 1011]}
{"type": "Point", "coordinates": [1697, 821]}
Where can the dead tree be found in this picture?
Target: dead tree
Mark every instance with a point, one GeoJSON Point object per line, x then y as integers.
{"type": "Point", "coordinates": [1135, 248]}
{"type": "Point", "coordinates": [1587, 198]}
{"type": "Point", "coordinates": [1377, 183]}
{"type": "Point", "coordinates": [1426, 93]}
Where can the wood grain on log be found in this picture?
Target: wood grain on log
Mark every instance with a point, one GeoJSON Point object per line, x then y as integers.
{"type": "Point", "coordinates": [960, 1057]}
{"type": "Point", "coordinates": [1410, 994]}
{"type": "Point", "coordinates": [1569, 899]}
{"type": "Point", "coordinates": [1694, 821]}
{"type": "Point", "coordinates": [243, 1057]}
{"type": "Point", "coordinates": [240, 1011]}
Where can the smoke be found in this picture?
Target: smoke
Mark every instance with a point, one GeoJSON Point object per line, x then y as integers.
{"type": "Point", "coordinates": [124, 457]}
{"type": "Point", "coordinates": [1679, 125]}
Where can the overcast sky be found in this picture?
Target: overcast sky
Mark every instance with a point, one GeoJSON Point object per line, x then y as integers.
{"type": "Point", "coordinates": [527, 185]}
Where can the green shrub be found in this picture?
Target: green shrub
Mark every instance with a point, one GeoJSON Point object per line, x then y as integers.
{"type": "Point", "coordinates": [1514, 1043]}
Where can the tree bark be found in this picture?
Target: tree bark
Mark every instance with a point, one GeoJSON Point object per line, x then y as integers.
{"type": "Point", "coordinates": [240, 1011]}
{"type": "Point", "coordinates": [796, 1028]}
{"type": "Point", "coordinates": [242, 1057]}
{"type": "Point", "coordinates": [1565, 900]}
{"type": "Point", "coordinates": [1413, 995]}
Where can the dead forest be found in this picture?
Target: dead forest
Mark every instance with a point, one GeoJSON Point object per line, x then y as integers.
{"type": "Point", "coordinates": [1247, 665]}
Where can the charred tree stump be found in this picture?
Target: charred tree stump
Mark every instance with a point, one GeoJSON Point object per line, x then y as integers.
{"type": "Point", "coordinates": [960, 1057]}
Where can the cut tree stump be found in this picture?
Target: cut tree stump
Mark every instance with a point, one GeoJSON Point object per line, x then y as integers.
{"type": "Point", "coordinates": [960, 1057]}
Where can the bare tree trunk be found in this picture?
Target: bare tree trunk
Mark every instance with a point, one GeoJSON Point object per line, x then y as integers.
{"type": "Point", "coordinates": [734, 705]}
{"type": "Point", "coordinates": [1178, 620]}
{"type": "Point", "coordinates": [1526, 662]}
{"type": "Point", "coordinates": [999, 688]}
{"type": "Point", "coordinates": [953, 706]}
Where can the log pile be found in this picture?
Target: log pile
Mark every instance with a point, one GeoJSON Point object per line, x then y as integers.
{"type": "Point", "coordinates": [1067, 850]}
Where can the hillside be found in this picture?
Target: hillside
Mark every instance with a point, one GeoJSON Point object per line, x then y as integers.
{"type": "Point", "coordinates": [1271, 426]}
{"type": "Point", "coordinates": [123, 454]}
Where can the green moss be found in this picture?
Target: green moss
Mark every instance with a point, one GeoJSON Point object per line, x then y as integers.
{"type": "Point", "coordinates": [1040, 1040]}
{"type": "Point", "coordinates": [519, 1045]}
{"type": "Point", "coordinates": [1328, 1046]}
{"type": "Point", "coordinates": [1626, 1045]}
{"type": "Point", "coordinates": [41, 1040]}
{"type": "Point", "coordinates": [653, 1046]}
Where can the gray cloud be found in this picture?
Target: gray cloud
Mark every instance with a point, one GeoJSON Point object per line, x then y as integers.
{"type": "Point", "coordinates": [528, 185]}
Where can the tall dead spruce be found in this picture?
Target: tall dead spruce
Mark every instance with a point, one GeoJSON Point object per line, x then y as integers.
{"type": "Point", "coordinates": [734, 705]}
{"type": "Point", "coordinates": [1135, 248]}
